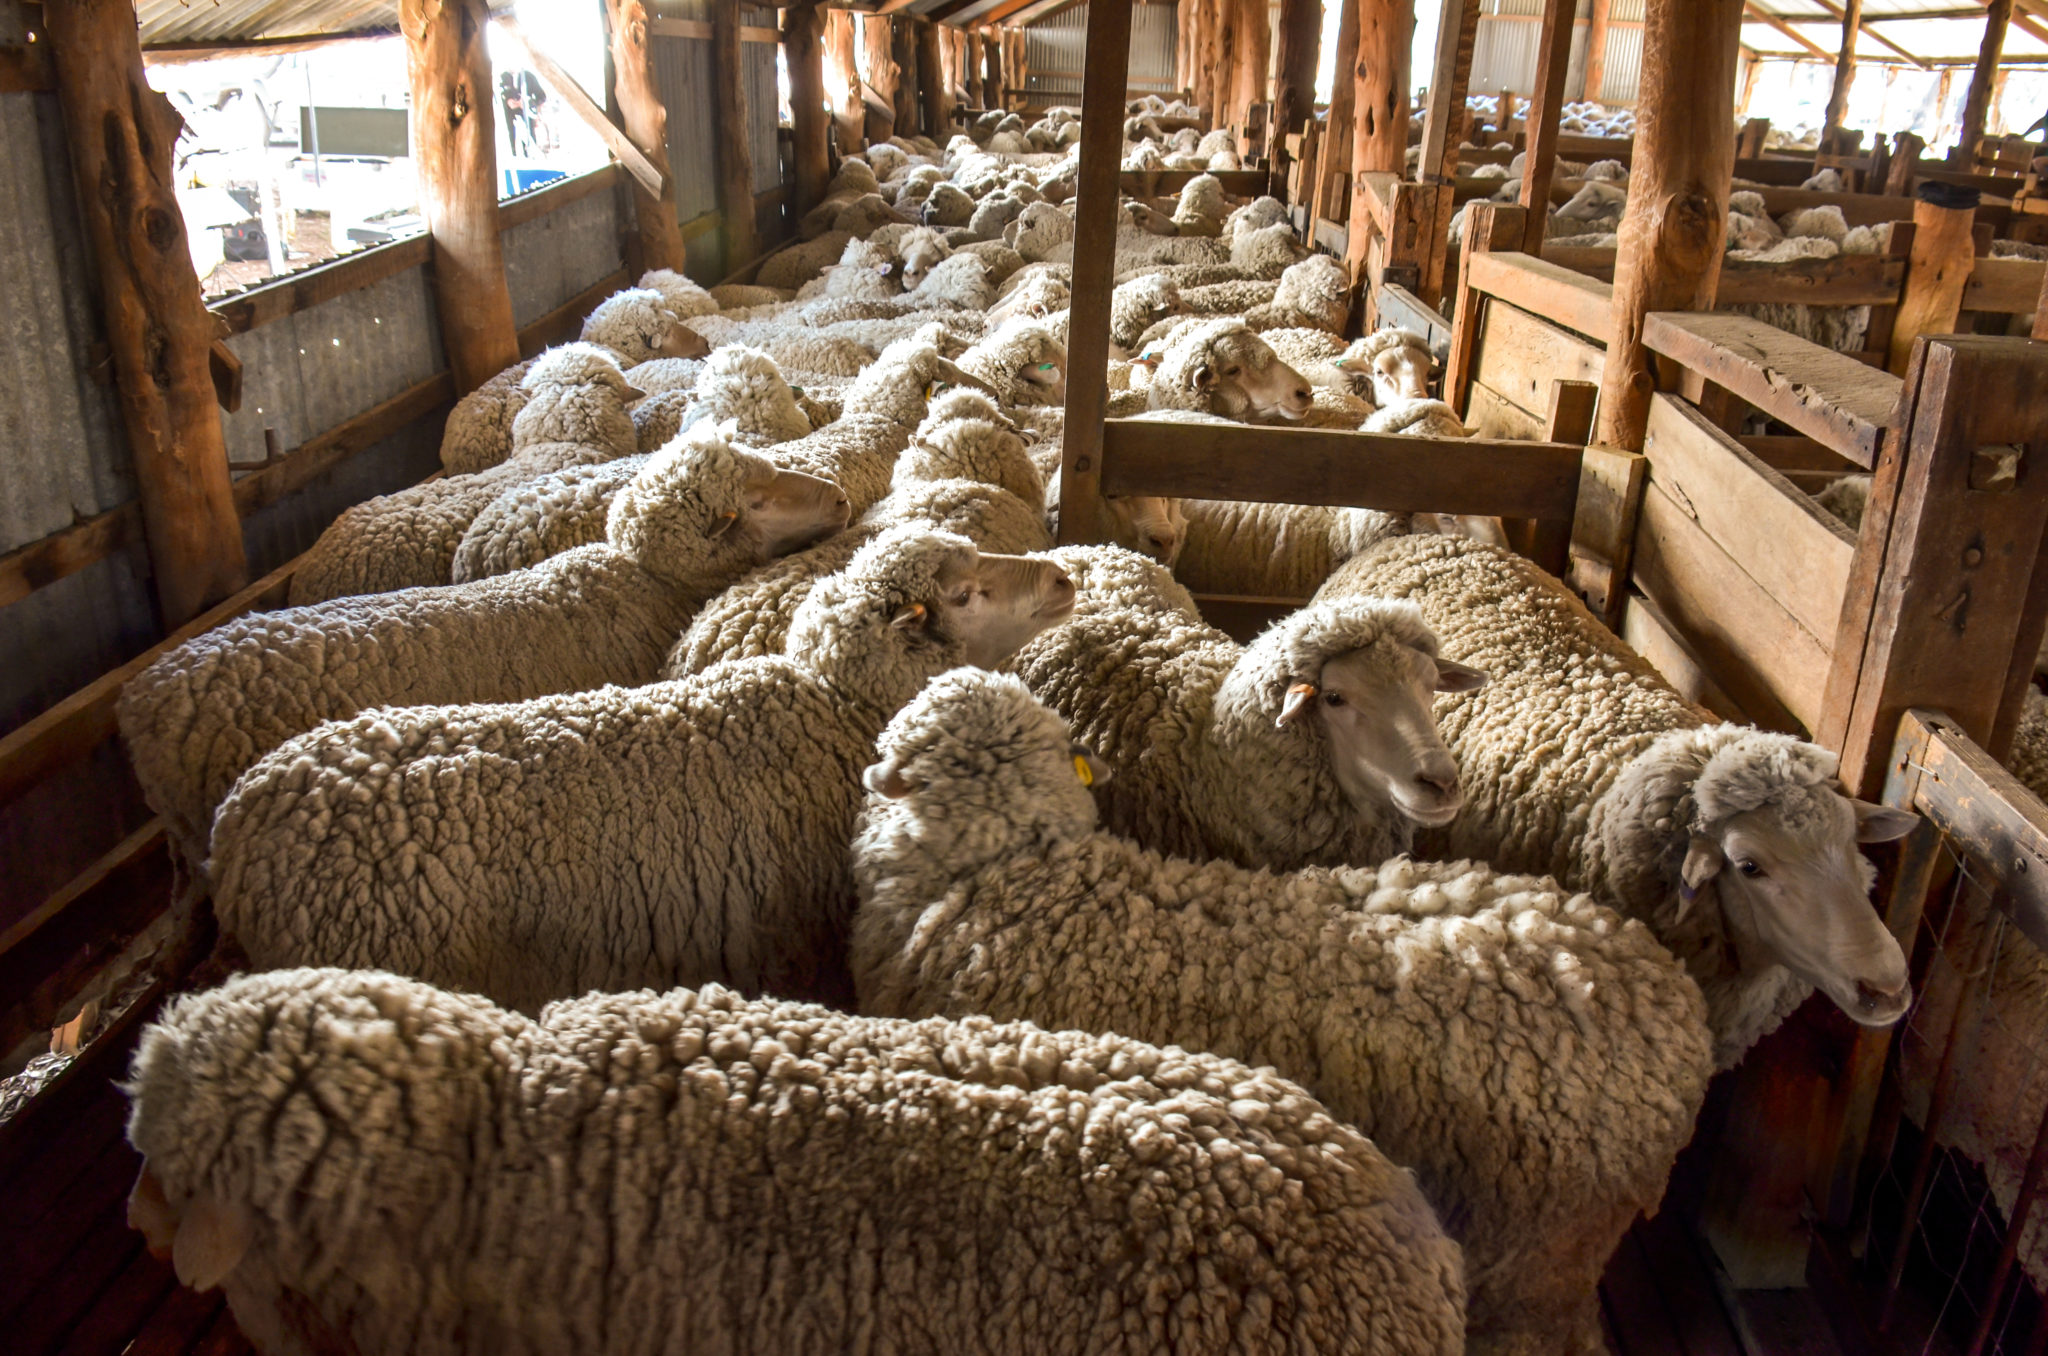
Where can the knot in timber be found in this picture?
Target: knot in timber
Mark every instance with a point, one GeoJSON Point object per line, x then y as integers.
{"type": "Point", "coordinates": [160, 228]}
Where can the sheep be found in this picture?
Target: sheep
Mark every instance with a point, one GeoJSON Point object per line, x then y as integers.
{"type": "Point", "coordinates": [1397, 361]}
{"type": "Point", "coordinates": [680, 294]}
{"type": "Point", "coordinates": [1221, 367]}
{"type": "Point", "coordinates": [997, 258]}
{"type": "Point", "coordinates": [1022, 363]}
{"type": "Point", "coordinates": [1041, 232]}
{"type": "Point", "coordinates": [1418, 418]}
{"type": "Point", "coordinates": [1826, 223]}
{"type": "Point", "coordinates": [854, 180]}
{"type": "Point", "coordinates": [1595, 204]}
{"type": "Point", "coordinates": [802, 260]}
{"type": "Point", "coordinates": [1266, 253]}
{"type": "Point", "coordinates": [1846, 498]}
{"type": "Point", "coordinates": [948, 205]}
{"type": "Point", "coordinates": [366, 1163]}
{"type": "Point", "coordinates": [669, 834]}
{"type": "Point", "coordinates": [1536, 1060]}
{"type": "Point", "coordinates": [206, 710]}
{"type": "Point", "coordinates": [966, 476]}
{"type": "Point", "coordinates": [1150, 219]}
{"type": "Point", "coordinates": [1228, 753]}
{"type": "Point", "coordinates": [993, 213]}
{"type": "Point", "coordinates": [1237, 298]}
{"type": "Point", "coordinates": [1313, 294]}
{"type": "Point", "coordinates": [1271, 550]}
{"type": "Point", "coordinates": [1201, 208]}
{"type": "Point", "coordinates": [575, 413]}
{"type": "Point", "coordinates": [1318, 356]}
{"type": "Point", "coordinates": [1582, 764]}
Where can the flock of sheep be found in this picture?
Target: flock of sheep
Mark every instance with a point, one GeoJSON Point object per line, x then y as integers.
{"type": "Point", "coordinates": [729, 684]}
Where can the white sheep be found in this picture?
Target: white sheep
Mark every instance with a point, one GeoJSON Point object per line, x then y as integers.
{"type": "Point", "coordinates": [1536, 1060]}
{"type": "Point", "coordinates": [1023, 363]}
{"type": "Point", "coordinates": [1220, 367]}
{"type": "Point", "coordinates": [1582, 764]}
{"type": "Point", "coordinates": [669, 834]}
{"type": "Point", "coordinates": [366, 1163]}
{"type": "Point", "coordinates": [1397, 361]}
{"type": "Point", "coordinates": [1313, 294]}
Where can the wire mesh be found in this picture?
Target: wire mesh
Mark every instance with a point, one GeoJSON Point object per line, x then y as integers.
{"type": "Point", "coordinates": [1960, 1148]}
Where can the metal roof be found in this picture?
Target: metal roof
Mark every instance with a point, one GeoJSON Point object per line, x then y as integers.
{"type": "Point", "coordinates": [190, 23]}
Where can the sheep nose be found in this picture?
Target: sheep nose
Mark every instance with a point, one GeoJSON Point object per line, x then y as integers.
{"type": "Point", "coordinates": [1443, 783]}
{"type": "Point", "coordinates": [1063, 583]}
{"type": "Point", "coordinates": [1873, 999]}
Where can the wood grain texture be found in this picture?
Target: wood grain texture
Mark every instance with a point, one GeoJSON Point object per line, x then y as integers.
{"type": "Point", "coordinates": [1570, 299]}
{"type": "Point", "coordinates": [1443, 122]}
{"type": "Point", "coordinates": [849, 108]}
{"type": "Point", "coordinates": [1294, 64]}
{"type": "Point", "coordinates": [803, 56]}
{"type": "Point", "coordinates": [1546, 102]}
{"type": "Point", "coordinates": [1938, 271]}
{"type": "Point", "coordinates": [644, 120]}
{"type": "Point", "coordinates": [1380, 97]}
{"type": "Point", "coordinates": [735, 155]}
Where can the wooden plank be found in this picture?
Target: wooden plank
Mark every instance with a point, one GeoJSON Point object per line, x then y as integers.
{"type": "Point", "coordinates": [179, 1323]}
{"type": "Point", "coordinates": [1761, 656]}
{"type": "Point", "coordinates": [1604, 528]}
{"type": "Point", "coordinates": [118, 1312]}
{"type": "Point", "coordinates": [700, 30]}
{"type": "Point", "coordinates": [1790, 546]}
{"type": "Point", "coordinates": [48, 559]}
{"type": "Point", "coordinates": [1390, 472]}
{"type": "Point", "coordinates": [1944, 255]}
{"type": "Point", "coordinates": [304, 290]}
{"type": "Point", "coordinates": [1521, 355]}
{"type": "Point", "coordinates": [1557, 294]}
{"type": "Point", "coordinates": [1488, 226]}
{"type": "Point", "coordinates": [1546, 102]}
{"type": "Point", "coordinates": [635, 95]}
{"type": "Point", "coordinates": [1398, 306]}
{"type": "Point", "coordinates": [652, 178]}
{"type": "Point", "coordinates": [1845, 280]}
{"type": "Point", "coordinates": [1651, 636]}
{"type": "Point", "coordinates": [1832, 398]}
{"type": "Point", "coordinates": [1793, 453]}
{"type": "Point", "coordinates": [1457, 34]}
{"type": "Point", "coordinates": [1988, 815]}
{"type": "Point", "coordinates": [803, 58]}
{"type": "Point", "coordinates": [1490, 414]}
{"type": "Point", "coordinates": [2005, 286]}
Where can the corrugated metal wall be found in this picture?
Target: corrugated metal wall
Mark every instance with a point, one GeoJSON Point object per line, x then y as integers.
{"type": "Point", "coordinates": [1054, 50]}
{"type": "Point", "coordinates": [551, 258]}
{"type": "Point", "coordinates": [682, 69]}
{"type": "Point", "coordinates": [1505, 49]}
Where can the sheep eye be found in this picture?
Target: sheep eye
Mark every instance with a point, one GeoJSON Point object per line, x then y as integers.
{"type": "Point", "coordinates": [1749, 868]}
{"type": "Point", "coordinates": [1333, 699]}
{"type": "Point", "coordinates": [966, 597]}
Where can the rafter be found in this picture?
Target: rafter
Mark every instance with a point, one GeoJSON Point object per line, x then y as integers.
{"type": "Point", "coordinates": [1773, 21]}
{"type": "Point", "coordinates": [1867, 31]}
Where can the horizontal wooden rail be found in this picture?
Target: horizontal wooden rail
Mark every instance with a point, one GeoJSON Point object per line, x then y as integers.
{"type": "Point", "coordinates": [1832, 398]}
{"type": "Point", "coordinates": [1158, 183]}
{"type": "Point", "coordinates": [700, 29]}
{"type": "Point", "coordinates": [1545, 289]}
{"type": "Point", "coordinates": [2005, 286]}
{"type": "Point", "coordinates": [1845, 280]}
{"type": "Point", "coordinates": [1398, 306]}
{"type": "Point", "coordinates": [1394, 473]}
{"type": "Point", "coordinates": [1987, 813]}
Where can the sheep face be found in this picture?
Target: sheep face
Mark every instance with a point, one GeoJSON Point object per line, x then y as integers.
{"type": "Point", "coordinates": [681, 341]}
{"type": "Point", "coordinates": [922, 253]}
{"type": "Point", "coordinates": [1398, 372]}
{"type": "Point", "coordinates": [1149, 525]}
{"type": "Point", "coordinates": [1041, 383]}
{"type": "Point", "coordinates": [784, 511]}
{"type": "Point", "coordinates": [1376, 706]}
{"type": "Point", "coordinates": [991, 606]}
{"type": "Point", "coordinates": [1794, 891]}
{"type": "Point", "coordinates": [1148, 219]}
{"type": "Point", "coordinates": [1244, 379]}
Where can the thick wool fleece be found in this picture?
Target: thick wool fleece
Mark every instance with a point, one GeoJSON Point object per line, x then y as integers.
{"type": "Point", "coordinates": [1211, 343]}
{"type": "Point", "coordinates": [693, 1172]}
{"type": "Point", "coordinates": [1187, 719]}
{"type": "Point", "coordinates": [478, 434]}
{"type": "Point", "coordinates": [684, 297]}
{"type": "Point", "coordinates": [1235, 299]}
{"type": "Point", "coordinates": [1579, 762]}
{"type": "Point", "coordinates": [1534, 1058]}
{"type": "Point", "coordinates": [633, 324]}
{"type": "Point", "coordinates": [802, 261]}
{"type": "Point", "coordinates": [1012, 360]}
{"type": "Point", "coordinates": [1273, 550]}
{"type": "Point", "coordinates": [205, 712]}
{"type": "Point", "coordinates": [1114, 578]}
{"type": "Point", "coordinates": [1419, 419]}
{"type": "Point", "coordinates": [670, 834]}
{"type": "Point", "coordinates": [957, 479]}
{"type": "Point", "coordinates": [575, 414]}
{"type": "Point", "coordinates": [1313, 294]}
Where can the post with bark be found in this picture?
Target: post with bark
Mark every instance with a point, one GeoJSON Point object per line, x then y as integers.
{"type": "Point", "coordinates": [992, 81]}
{"type": "Point", "coordinates": [1379, 140]}
{"type": "Point", "coordinates": [903, 48]}
{"type": "Point", "coordinates": [1944, 253]}
{"type": "Point", "coordinates": [803, 52]}
{"type": "Point", "coordinates": [842, 81]}
{"type": "Point", "coordinates": [1669, 257]}
{"type": "Point", "coordinates": [1294, 67]}
{"type": "Point", "coordinates": [885, 76]}
{"type": "Point", "coordinates": [644, 119]}
{"type": "Point", "coordinates": [1334, 172]}
{"type": "Point", "coordinates": [1845, 71]}
{"type": "Point", "coordinates": [931, 80]}
{"type": "Point", "coordinates": [735, 154]}
{"type": "Point", "coordinates": [121, 133]}
{"type": "Point", "coordinates": [1546, 104]}
{"type": "Point", "coordinates": [977, 84]}
{"type": "Point", "coordinates": [1457, 33]}
{"type": "Point", "coordinates": [1596, 49]}
{"type": "Point", "coordinates": [1252, 57]}
{"type": "Point", "coordinates": [1977, 104]}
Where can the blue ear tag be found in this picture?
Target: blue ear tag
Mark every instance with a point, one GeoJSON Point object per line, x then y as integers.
{"type": "Point", "coordinates": [1687, 893]}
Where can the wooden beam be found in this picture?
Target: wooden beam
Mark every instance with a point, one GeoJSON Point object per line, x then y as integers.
{"type": "Point", "coordinates": [455, 152]}
{"type": "Point", "coordinates": [992, 80]}
{"type": "Point", "coordinates": [903, 47]}
{"type": "Point", "coordinates": [1944, 254]}
{"type": "Point", "coordinates": [842, 81]}
{"type": "Point", "coordinates": [1379, 140]}
{"type": "Point", "coordinates": [1083, 515]}
{"type": "Point", "coordinates": [1488, 226]}
{"type": "Point", "coordinates": [735, 154]}
{"type": "Point", "coordinates": [1755, 15]}
{"type": "Point", "coordinates": [975, 63]}
{"type": "Point", "coordinates": [1540, 287]}
{"type": "Point", "coordinates": [1677, 217]}
{"type": "Point", "coordinates": [1294, 66]}
{"type": "Point", "coordinates": [1596, 49]}
{"type": "Point", "coordinates": [1977, 104]}
{"type": "Point", "coordinates": [1254, 55]}
{"type": "Point", "coordinates": [643, 119]}
{"type": "Point", "coordinates": [936, 100]}
{"type": "Point", "coordinates": [1845, 71]}
{"type": "Point", "coordinates": [1873, 34]}
{"type": "Point", "coordinates": [121, 134]}
{"type": "Point", "coordinates": [1333, 192]}
{"type": "Point", "coordinates": [651, 178]}
{"type": "Point", "coordinates": [1457, 32]}
{"type": "Point", "coordinates": [47, 559]}
{"type": "Point", "coordinates": [803, 55]}
{"type": "Point", "coordinates": [1546, 104]}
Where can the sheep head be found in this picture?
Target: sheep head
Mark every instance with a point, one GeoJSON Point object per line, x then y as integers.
{"type": "Point", "coordinates": [705, 508]}
{"type": "Point", "coordinates": [1398, 362]}
{"type": "Point", "coordinates": [1224, 368]}
{"type": "Point", "coordinates": [922, 250]}
{"type": "Point", "coordinates": [1150, 219]}
{"type": "Point", "coordinates": [1149, 524]}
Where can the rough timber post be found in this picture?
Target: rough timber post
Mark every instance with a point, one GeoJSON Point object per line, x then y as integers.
{"type": "Point", "coordinates": [645, 121]}
{"type": "Point", "coordinates": [1294, 80]}
{"type": "Point", "coordinates": [1670, 252]}
{"type": "Point", "coordinates": [931, 81]}
{"type": "Point", "coordinates": [735, 156]}
{"type": "Point", "coordinates": [1546, 103]}
{"type": "Point", "coordinates": [1379, 112]}
{"type": "Point", "coordinates": [842, 83]}
{"type": "Point", "coordinates": [1254, 54]}
{"type": "Point", "coordinates": [1944, 252]}
{"type": "Point", "coordinates": [1457, 33]}
{"type": "Point", "coordinates": [903, 47]}
{"type": "Point", "coordinates": [1083, 515]}
{"type": "Point", "coordinates": [1845, 71]}
{"type": "Point", "coordinates": [803, 52]}
{"type": "Point", "coordinates": [992, 81]}
{"type": "Point", "coordinates": [884, 76]}
{"type": "Point", "coordinates": [121, 133]}
{"type": "Point", "coordinates": [971, 64]}
{"type": "Point", "coordinates": [1977, 105]}
{"type": "Point", "coordinates": [1596, 49]}
{"type": "Point", "coordinates": [1333, 171]}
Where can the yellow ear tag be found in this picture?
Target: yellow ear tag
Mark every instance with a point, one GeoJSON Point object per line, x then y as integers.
{"type": "Point", "coordinates": [1083, 771]}
{"type": "Point", "coordinates": [929, 389]}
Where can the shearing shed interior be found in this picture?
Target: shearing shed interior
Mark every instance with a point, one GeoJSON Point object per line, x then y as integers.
{"type": "Point", "coordinates": [1314, 676]}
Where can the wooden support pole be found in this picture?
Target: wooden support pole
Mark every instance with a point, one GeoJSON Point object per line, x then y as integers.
{"type": "Point", "coordinates": [1669, 257]}
{"type": "Point", "coordinates": [455, 152]}
{"type": "Point", "coordinates": [735, 155]}
{"type": "Point", "coordinates": [1596, 50]}
{"type": "Point", "coordinates": [1905, 164]}
{"type": "Point", "coordinates": [651, 179]}
{"type": "Point", "coordinates": [931, 81]}
{"type": "Point", "coordinates": [1457, 32]}
{"type": "Point", "coordinates": [644, 119]}
{"type": "Point", "coordinates": [1333, 174]}
{"type": "Point", "coordinates": [1489, 226]}
{"type": "Point", "coordinates": [1546, 103]}
{"type": "Point", "coordinates": [1845, 71]}
{"type": "Point", "coordinates": [1938, 269]}
{"type": "Point", "coordinates": [121, 133]}
{"type": "Point", "coordinates": [1294, 79]}
{"type": "Point", "coordinates": [903, 47]}
{"type": "Point", "coordinates": [977, 83]}
{"type": "Point", "coordinates": [2040, 326]}
{"type": "Point", "coordinates": [885, 76]}
{"type": "Point", "coordinates": [1379, 142]}
{"type": "Point", "coordinates": [992, 80]}
{"type": "Point", "coordinates": [803, 53]}
{"type": "Point", "coordinates": [1977, 104]}
{"type": "Point", "coordinates": [1084, 517]}
{"type": "Point", "coordinates": [842, 81]}
{"type": "Point", "coordinates": [1254, 57]}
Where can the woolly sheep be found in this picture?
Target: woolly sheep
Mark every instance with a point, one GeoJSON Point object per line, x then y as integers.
{"type": "Point", "coordinates": [1221, 367]}
{"type": "Point", "coordinates": [1826, 223]}
{"type": "Point", "coordinates": [947, 205]}
{"type": "Point", "coordinates": [680, 294]}
{"type": "Point", "coordinates": [1397, 361]}
{"type": "Point", "coordinates": [1022, 363]}
{"type": "Point", "coordinates": [1536, 1060]}
{"type": "Point", "coordinates": [205, 711]}
{"type": "Point", "coordinates": [1221, 750]}
{"type": "Point", "coordinates": [1846, 498]}
{"type": "Point", "coordinates": [1041, 231]}
{"type": "Point", "coordinates": [997, 258]}
{"type": "Point", "coordinates": [802, 260]}
{"type": "Point", "coordinates": [1313, 294]}
{"type": "Point", "coordinates": [366, 1163]}
{"type": "Point", "coordinates": [670, 834]}
{"type": "Point", "coordinates": [1201, 208]}
{"type": "Point", "coordinates": [1584, 765]}
{"type": "Point", "coordinates": [1266, 253]}
{"type": "Point", "coordinates": [575, 413]}
{"type": "Point", "coordinates": [1418, 418]}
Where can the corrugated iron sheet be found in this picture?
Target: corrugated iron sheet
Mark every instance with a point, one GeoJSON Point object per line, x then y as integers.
{"type": "Point", "coordinates": [1504, 55]}
{"type": "Point", "coordinates": [197, 21]}
{"type": "Point", "coordinates": [1055, 49]}
{"type": "Point", "coordinates": [551, 258]}
{"type": "Point", "coordinates": [1623, 72]}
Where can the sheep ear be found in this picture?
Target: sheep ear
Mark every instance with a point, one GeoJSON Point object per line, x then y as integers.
{"type": "Point", "coordinates": [150, 1214]}
{"type": "Point", "coordinates": [1090, 769]}
{"type": "Point", "coordinates": [887, 779]}
{"type": "Point", "coordinates": [1300, 696]}
{"type": "Point", "coordinates": [721, 525]}
{"type": "Point", "coordinates": [1202, 378]}
{"type": "Point", "coordinates": [911, 618]}
{"type": "Point", "coordinates": [1455, 677]}
{"type": "Point", "coordinates": [211, 1240]}
{"type": "Point", "coordinates": [634, 393]}
{"type": "Point", "coordinates": [1881, 823]}
{"type": "Point", "coordinates": [1702, 864]}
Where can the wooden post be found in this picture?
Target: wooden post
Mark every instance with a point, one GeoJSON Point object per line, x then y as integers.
{"type": "Point", "coordinates": [1671, 236]}
{"type": "Point", "coordinates": [1944, 254]}
{"type": "Point", "coordinates": [1183, 41]}
{"type": "Point", "coordinates": [803, 52]}
{"type": "Point", "coordinates": [877, 33]}
{"type": "Point", "coordinates": [1905, 166]}
{"type": "Point", "coordinates": [121, 133]}
{"type": "Point", "coordinates": [1977, 104]}
{"type": "Point", "coordinates": [1596, 50]}
{"type": "Point", "coordinates": [1083, 515]}
{"type": "Point", "coordinates": [992, 82]}
{"type": "Point", "coordinates": [842, 81]}
{"type": "Point", "coordinates": [1457, 32]}
{"type": "Point", "coordinates": [1294, 79]}
{"type": "Point", "coordinates": [1845, 71]}
{"type": "Point", "coordinates": [1489, 226]}
{"type": "Point", "coordinates": [931, 81]}
{"type": "Point", "coordinates": [977, 85]}
{"type": "Point", "coordinates": [455, 151]}
{"type": "Point", "coordinates": [644, 119]}
{"type": "Point", "coordinates": [1546, 102]}
{"type": "Point", "coordinates": [2040, 328]}
{"type": "Point", "coordinates": [903, 47]}
{"type": "Point", "coordinates": [735, 155]}
{"type": "Point", "coordinates": [1379, 142]}
{"type": "Point", "coordinates": [1254, 55]}
{"type": "Point", "coordinates": [1334, 173]}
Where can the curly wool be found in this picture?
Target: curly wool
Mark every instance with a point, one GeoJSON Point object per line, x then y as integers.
{"type": "Point", "coordinates": [1313, 294]}
{"type": "Point", "coordinates": [679, 293]}
{"type": "Point", "coordinates": [421, 1170]}
{"type": "Point", "coordinates": [1188, 720]}
{"type": "Point", "coordinates": [1012, 360]}
{"type": "Point", "coordinates": [633, 324]}
{"type": "Point", "coordinates": [669, 834]}
{"type": "Point", "coordinates": [745, 385]}
{"type": "Point", "coordinates": [207, 710]}
{"type": "Point", "coordinates": [1575, 756]}
{"type": "Point", "coordinates": [1173, 385]}
{"type": "Point", "coordinates": [1535, 1059]}
{"type": "Point", "coordinates": [799, 262]}
{"type": "Point", "coordinates": [1418, 418]}
{"type": "Point", "coordinates": [1273, 550]}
